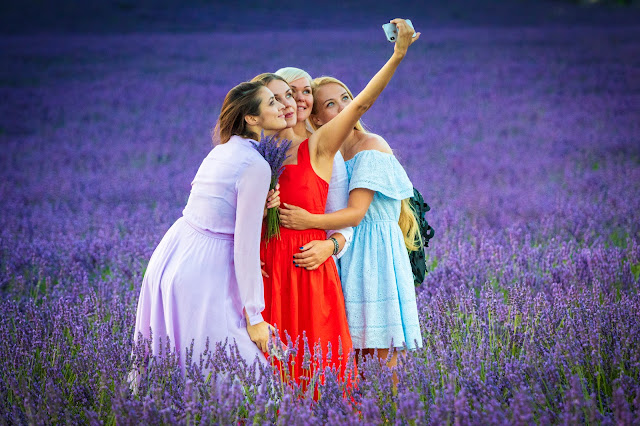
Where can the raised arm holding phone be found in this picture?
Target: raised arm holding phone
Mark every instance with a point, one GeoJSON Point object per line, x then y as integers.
{"type": "Point", "coordinates": [299, 301]}
{"type": "Point", "coordinates": [376, 274]}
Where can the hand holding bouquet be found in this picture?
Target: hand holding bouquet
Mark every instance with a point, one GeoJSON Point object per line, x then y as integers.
{"type": "Point", "coordinates": [274, 150]}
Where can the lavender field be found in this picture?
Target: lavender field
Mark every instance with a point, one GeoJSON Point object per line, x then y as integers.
{"type": "Point", "coordinates": [524, 140]}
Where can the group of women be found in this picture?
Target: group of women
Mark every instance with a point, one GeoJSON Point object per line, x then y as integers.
{"type": "Point", "coordinates": [342, 194]}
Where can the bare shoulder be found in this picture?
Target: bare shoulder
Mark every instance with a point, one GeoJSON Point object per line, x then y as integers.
{"type": "Point", "coordinates": [371, 141]}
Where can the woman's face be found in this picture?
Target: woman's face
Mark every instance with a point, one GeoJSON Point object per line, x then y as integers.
{"type": "Point", "coordinates": [271, 111]}
{"type": "Point", "coordinates": [283, 94]}
{"type": "Point", "coordinates": [331, 98]}
{"type": "Point", "coordinates": [303, 96]}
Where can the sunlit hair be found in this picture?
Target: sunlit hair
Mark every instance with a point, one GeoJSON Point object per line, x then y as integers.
{"type": "Point", "coordinates": [321, 81]}
{"type": "Point", "coordinates": [409, 226]}
{"type": "Point", "coordinates": [268, 77]}
{"type": "Point", "coordinates": [241, 101]}
{"type": "Point", "coordinates": [291, 74]}
{"type": "Point", "coordinates": [407, 221]}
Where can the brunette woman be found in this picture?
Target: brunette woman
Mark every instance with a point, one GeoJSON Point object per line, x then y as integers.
{"type": "Point", "coordinates": [203, 280]}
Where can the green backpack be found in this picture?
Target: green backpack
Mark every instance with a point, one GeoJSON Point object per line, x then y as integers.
{"type": "Point", "coordinates": [417, 258]}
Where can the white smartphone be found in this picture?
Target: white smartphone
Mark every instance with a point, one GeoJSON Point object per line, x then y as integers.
{"type": "Point", "coordinates": [391, 31]}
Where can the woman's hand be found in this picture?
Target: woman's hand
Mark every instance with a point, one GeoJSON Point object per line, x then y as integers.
{"type": "Point", "coordinates": [260, 334]}
{"type": "Point", "coordinates": [313, 254]}
{"type": "Point", "coordinates": [405, 36]}
{"type": "Point", "coordinates": [264, 273]}
{"type": "Point", "coordinates": [294, 217]}
{"type": "Point", "coordinates": [273, 199]}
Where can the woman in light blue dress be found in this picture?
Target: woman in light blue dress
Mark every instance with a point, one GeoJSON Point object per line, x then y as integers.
{"type": "Point", "coordinates": [376, 273]}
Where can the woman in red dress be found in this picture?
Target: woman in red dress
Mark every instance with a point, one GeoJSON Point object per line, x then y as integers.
{"type": "Point", "coordinates": [309, 303]}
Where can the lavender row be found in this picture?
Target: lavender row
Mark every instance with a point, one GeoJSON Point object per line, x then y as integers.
{"type": "Point", "coordinates": [566, 356]}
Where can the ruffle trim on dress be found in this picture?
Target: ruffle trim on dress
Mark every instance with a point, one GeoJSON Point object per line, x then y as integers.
{"type": "Point", "coordinates": [379, 172]}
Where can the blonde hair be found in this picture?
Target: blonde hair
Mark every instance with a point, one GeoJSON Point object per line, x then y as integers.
{"type": "Point", "coordinates": [409, 226]}
{"type": "Point", "coordinates": [292, 74]}
{"type": "Point", "coordinates": [321, 81]}
{"type": "Point", "coordinates": [407, 221]}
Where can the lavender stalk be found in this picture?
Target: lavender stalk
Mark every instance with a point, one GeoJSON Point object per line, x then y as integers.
{"type": "Point", "coordinates": [274, 150]}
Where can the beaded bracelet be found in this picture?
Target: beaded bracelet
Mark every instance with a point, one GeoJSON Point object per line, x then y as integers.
{"type": "Point", "coordinates": [336, 246]}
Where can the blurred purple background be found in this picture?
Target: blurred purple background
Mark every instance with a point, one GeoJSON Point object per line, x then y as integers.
{"type": "Point", "coordinates": [126, 16]}
{"type": "Point", "coordinates": [518, 120]}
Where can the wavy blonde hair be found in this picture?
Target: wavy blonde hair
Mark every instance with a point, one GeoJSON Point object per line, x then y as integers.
{"type": "Point", "coordinates": [321, 81]}
{"type": "Point", "coordinates": [407, 221]}
{"type": "Point", "coordinates": [409, 226]}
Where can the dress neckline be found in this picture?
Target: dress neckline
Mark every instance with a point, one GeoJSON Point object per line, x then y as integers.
{"type": "Point", "coordinates": [306, 159]}
{"type": "Point", "coordinates": [298, 160]}
{"type": "Point", "coordinates": [367, 150]}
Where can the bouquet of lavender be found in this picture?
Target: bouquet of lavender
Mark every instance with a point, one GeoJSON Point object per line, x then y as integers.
{"type": "Point", "coordinates": [274, 150]}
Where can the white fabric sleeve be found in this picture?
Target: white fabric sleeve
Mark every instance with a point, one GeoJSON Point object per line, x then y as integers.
{"type": "Point", "coordinates": [252, 188]}
{"type": "Point", "coordinates": [338, 197]}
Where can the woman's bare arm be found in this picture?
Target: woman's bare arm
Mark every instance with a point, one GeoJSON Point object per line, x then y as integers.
{"type": "Point", "coordinates": [294, 217]}
{"type": "Point", "coordinates": [330, 136]}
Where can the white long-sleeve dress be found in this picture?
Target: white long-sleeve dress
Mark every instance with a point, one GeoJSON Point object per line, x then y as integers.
{"type": "Point", "coordinates": [337, 199]}
{"type": "Point", "coordinates": [206, 269]}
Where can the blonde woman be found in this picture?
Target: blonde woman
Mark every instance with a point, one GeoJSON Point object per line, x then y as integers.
{"type": "Point", "coordinates": [376, 275]}
{"type": "Point", "coordinates": [303, 301]}
{"type": "Point", "coordinates": [315, 252]}
{"type": "Point", "coordinates": [300, 83]}
{"type": "Point", "coordinates": [310, 257]}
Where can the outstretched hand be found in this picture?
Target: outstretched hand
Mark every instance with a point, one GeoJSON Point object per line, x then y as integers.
{"type": "Point", "coordinates": [405, 36]}
{"type": "Point", "coordinates": [294, 217]}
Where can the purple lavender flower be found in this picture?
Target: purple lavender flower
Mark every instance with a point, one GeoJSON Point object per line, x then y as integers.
{"type": "Point", "coordinates": [531, 164]}
{"type": "Point", "coordinates": [274, 150]}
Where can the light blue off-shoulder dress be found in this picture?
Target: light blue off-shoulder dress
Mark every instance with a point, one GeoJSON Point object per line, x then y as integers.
{"type": "Point", "coordinates": [377, 281]}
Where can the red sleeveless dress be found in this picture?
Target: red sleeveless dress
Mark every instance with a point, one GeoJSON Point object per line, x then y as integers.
{"type": "Point", "coordinates": [298, 301]}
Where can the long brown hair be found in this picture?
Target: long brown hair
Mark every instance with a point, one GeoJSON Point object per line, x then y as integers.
{"type": "Point", "coordinates": [268, 77]}
{"type": "Point", "coordinates": [241, 101]}
{"type": "Point", "coordinates": [407, 221]}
